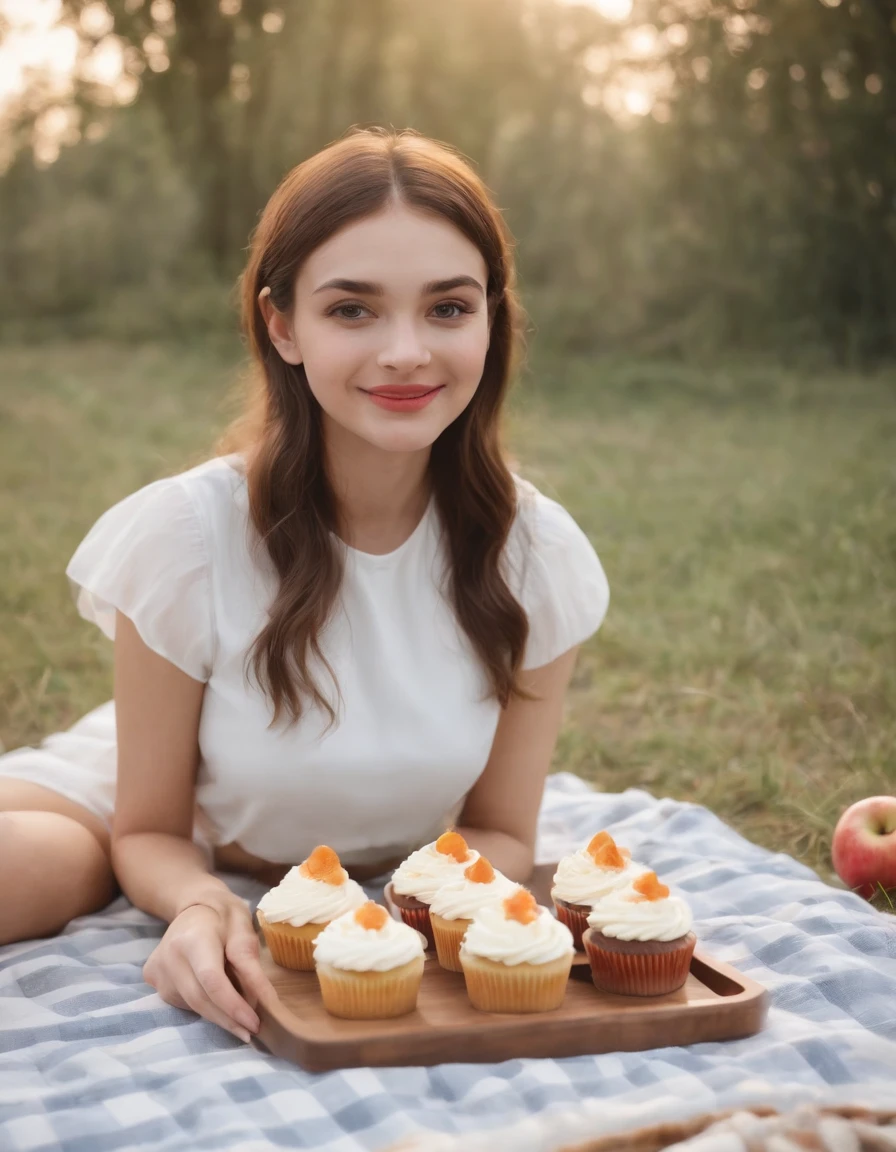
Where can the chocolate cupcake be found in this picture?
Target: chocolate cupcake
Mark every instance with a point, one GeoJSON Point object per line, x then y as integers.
{"type": "Point", "coordinates": [639, 940]}
{"type": "Point", "coordinates": [415, 882]}
{"type": "Point", "coordinates": [586, 876]}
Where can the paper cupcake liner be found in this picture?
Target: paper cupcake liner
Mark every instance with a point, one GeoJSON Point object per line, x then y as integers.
{"type": "Point", "coordinates": [420, 919]}
{"type": "Point", "coordinates": [449, 936]}
{"type": "Point", "coordinates": [289, 946]}
{"type": "Point", "coordinates": [417, 917]}
{"type": "Point", "coordinates": [575, 917]}
{"type": "Point", "coordinates": [634, 973]}
{"type": "Point", "coordinates": [370, 995]}
{"type": "Point", "coordinates": [494, 987]}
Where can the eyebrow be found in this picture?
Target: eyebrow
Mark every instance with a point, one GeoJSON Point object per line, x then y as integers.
{"type": "Point", "coordinates": [367, 288]}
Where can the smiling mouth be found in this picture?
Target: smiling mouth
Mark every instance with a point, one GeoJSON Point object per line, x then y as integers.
{"type": "Point", "coordinates": [402, 393]}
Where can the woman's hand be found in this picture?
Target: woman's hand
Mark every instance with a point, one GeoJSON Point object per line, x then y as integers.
{"type": "Point", "coordinates": [187, 969]}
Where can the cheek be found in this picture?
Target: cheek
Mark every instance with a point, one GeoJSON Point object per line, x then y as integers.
{"type": "Point", "coordinates": [466, 353]}
{"type": "Point", "coordinates": [331, 361]}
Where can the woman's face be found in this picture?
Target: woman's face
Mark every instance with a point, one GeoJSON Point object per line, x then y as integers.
{"type": "Point", "coordinates": [391, 323]}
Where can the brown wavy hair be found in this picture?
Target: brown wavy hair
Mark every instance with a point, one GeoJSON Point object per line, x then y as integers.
{"type": "Point", "coordinates": [291, 501]}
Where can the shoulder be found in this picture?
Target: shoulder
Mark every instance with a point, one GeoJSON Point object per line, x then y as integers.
{"type": "Point", "coordinates": [554, 571]}
{"type": "Point", "coordinates": [542, 528]}
{"type": "Point", "coordinates": [194, 504]}
{"type": "Point", "coordinates": [539, 513]}
{"type": "Point", "coordinates": [219, 476]}
{"type": "Point", "coordinates": [150, 557]}
{"type": "Point", "coordinates": [211, 487]}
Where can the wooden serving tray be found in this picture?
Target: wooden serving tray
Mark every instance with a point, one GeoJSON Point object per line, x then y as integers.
{"type": "Point", "coordinates": [716, 1003]}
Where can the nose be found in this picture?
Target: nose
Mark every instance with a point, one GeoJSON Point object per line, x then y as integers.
{"type": "Point", "coordinates": [404, 351]}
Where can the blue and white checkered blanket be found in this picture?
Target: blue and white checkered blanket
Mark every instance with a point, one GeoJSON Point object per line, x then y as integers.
{"type": "Point", "coordinates": [91, 1059]}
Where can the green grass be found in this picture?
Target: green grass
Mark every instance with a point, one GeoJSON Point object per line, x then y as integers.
{"type": "Point", "coordinates": [744, 514]}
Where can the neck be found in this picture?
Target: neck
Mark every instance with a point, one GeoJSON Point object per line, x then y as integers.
{"type": "Point", "coordinates": [381, 496]}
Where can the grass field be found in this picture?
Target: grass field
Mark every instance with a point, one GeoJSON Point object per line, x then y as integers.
{"type": "Point", "coordinates": [745, 516]}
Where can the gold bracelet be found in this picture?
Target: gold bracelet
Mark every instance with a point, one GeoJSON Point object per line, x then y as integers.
{"type": "Point", "coordinates": [197, 904]}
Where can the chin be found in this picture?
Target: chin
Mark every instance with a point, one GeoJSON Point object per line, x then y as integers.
{"type": "Point", "coordinates": [404, 435]}
{"type": "Point", "coordinates": [405, 442]}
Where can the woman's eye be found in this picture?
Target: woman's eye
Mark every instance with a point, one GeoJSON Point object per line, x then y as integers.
{"type": "Point", "coordinates": [348, 311]}
{"type": "Point", "coordinates": [449, 311]}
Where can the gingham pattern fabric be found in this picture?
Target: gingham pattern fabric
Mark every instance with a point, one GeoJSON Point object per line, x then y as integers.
{"type": "Point", "coordinates": [91, 1060]}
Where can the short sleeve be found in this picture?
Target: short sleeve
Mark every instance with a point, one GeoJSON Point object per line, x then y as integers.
{"type": "Point", "coordinates": [146, 557]}
{"type": "Point", "coordinates": [563, 588]}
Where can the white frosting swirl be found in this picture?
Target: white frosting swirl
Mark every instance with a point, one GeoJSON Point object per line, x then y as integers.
{"type": "Point", "coordinates": [578, 880]}
{"type": "Point", "coordinates": [299, 899]}
{"type": "Point", "coordinates": [494, 937]}
{"type": "Point", "coordinates": [462, 899]}
{"type": "Point", "coordinates": [426, 870]}
{"type": "Point", "coordinates": [346, 944]}
{"type": "Point", "coordinates": [626, 915]}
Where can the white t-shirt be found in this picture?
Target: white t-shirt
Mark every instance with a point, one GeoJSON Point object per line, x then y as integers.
{"type": "Point", "coordinates": [414, 725]}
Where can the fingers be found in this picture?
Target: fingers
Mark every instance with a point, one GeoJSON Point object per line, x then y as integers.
{"type": "Point", "coordinates": [197, 998]}
{"type": "Point", "coordinates": [206, 960]}
{"type": "Point", "coordinates": [241, 951]}
{"type": "Point", "coordinates": [211, 994]}
{"type": "Point", "coordinates": [187, 970]}
{"type": "Point", "coordinates": [182, 988]}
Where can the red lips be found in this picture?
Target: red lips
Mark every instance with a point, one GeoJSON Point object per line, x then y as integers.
{"type": "Point", "coordinates": [401, 391]}
{"type": "Point", "coordinates": [403, 397]}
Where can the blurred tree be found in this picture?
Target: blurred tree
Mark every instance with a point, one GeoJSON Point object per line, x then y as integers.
{"type": "Point", "coordinates": [706, 173]}
{"type": "Point", "coordinates": [63, 248]}
{"type": "Point", "coordinates": [193, 56]}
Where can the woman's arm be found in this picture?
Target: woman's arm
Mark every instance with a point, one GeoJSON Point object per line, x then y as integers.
{"type": "Point", "coordinates": [500, 813]}
{"type": "Point", "coordinates": [160, 869]}
{"type": "Point", "coordinates": [157, 709]}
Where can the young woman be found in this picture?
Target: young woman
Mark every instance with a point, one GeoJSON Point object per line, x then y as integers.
{"type": "Point", "coordinates": [354, 628]}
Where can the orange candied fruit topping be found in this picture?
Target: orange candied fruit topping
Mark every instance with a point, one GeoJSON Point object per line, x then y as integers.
{"type": "Point", "coordinates": [323, 864]}
{"type": "Point", "coordinates": [371, 916]}
{"type": "Point", "coordinates": [521, 906]}
{"type": "Point", "coordinates": [480, 872]}
{"type": "Point", "coordinates": [649, 887]}
{"type": "Point", "coordinates": [608, 856]}
{"type": "Point", "coordinates": [453, 844]}
{"type": "Point", "coordinates": [597, 841]}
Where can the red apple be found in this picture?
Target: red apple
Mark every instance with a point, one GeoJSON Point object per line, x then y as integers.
{"type": "Point", "coordinates": [864, 845]}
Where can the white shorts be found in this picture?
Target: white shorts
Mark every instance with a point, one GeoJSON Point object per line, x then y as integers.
{"type": "Point", "coordinates": [81, 764]}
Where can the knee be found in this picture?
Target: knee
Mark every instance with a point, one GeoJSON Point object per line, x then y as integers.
{"type": "Point", "coordinates": [10, 838]}
{"type": "Point", "coordinates": [44, 853]}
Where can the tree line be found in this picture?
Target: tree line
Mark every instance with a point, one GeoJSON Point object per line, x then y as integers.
{"type": "Point", "coordinates": [704, 174]}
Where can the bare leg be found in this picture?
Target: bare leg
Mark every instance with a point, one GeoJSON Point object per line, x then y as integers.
{"type": "Point", "coordinates": [54, 861]}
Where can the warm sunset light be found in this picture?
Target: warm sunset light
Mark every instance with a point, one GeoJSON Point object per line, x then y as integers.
{"type": "Point", "coordinates": [618, 10]}
{"type": "Point", "coordinates": [613, 334]}
{"type": "Point", "coordinates": [34, 44]}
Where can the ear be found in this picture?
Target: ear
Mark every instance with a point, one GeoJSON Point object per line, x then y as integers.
{"type": "Point", "coordinates": [279, 329]}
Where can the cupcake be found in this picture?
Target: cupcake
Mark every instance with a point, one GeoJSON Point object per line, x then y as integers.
{"type": "Point", "coordinates": [639, 940]}
{"type": "Point", "coordinates": [416, 881]}
{"type": "Point", "coordinates": [516, 957]}
{"type": "Point", "coordinates": [455, 905]}
{"type": "Point", "coordinates": [369, 966]}
{"type": "Point", "coordinates": [307, 898]}
{"type": "Point", "coordinates": [587, 876]}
